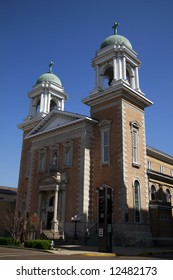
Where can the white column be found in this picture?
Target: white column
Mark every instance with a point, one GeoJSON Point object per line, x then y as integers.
{"type": "Point", "coordinates": [115, 70]}
{"type": "Point", "coordinates": [42, 102]}
{"type": "Point", "coordinates": [55, 221]}
{"type": "Point", "coordinates": [45, 103]}
{"type": "Point", "coordinates": [136, 78]}
{"type": "Point", "coordinates": [63, 207]}
{"type": "Point", "coordinates": [48, 102]}
{"type": "Point", "coordinates": [97, 77]}
{"type": "Point", "coordinates": [120, 67]}
{"type": "Point", "coordinates": [62, 105]}
{"type": "Point", "coordinates": [124, 68]}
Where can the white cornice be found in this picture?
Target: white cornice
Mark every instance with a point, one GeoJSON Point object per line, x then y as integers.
{"type": "Point", "coordinates": [159, 176]}
{"type": "Point", "coordinates": [115, 50]}
{"type": "Point", "coordinates": [121, 89]}
{"type": "Point", "coordinates": [52, 89]}
{"type": "Point", "coordinates": [30, 123]}
{"type": "Point", "coordinates": [159, 155]}
{"type": "Point", "coordinates": [35, 132]}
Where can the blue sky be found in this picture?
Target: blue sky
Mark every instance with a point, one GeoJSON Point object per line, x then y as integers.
{"type": "Point", "coordinates": [33, 32]}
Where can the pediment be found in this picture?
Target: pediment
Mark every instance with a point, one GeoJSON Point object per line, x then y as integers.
{"type": "Point", "coordinates": [48, 183]}
{"type": "Point", "coordinates": [48, 180]}
{"type": "Point", "coordinates": [105, 124]}
{"type": "Point", "coordinates": [55, 119]}
{"type": "Point", "coordinates": [135, 124]}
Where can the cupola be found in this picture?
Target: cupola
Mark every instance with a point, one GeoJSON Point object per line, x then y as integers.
{"type": "Point", "coordinates": [116, 61]}
{"type": "Point", "coordinates": [47, 94]}
{"type": "Point", "coordinates": [115, 39]}
{"type": "Point", "coordinates": [49, 77]}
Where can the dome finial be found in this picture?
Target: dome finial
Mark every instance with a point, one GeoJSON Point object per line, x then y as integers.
{"type": "Point", "coordinates": [50, 66]}
{"type": "Point", "coordinates": [115, 27]}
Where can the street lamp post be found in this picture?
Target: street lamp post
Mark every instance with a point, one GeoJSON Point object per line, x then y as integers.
{"type": "Point", "coordinates": [75, 219]}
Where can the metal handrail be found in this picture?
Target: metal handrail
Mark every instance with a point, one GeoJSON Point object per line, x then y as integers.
{"type": "Point", "coordinates": [90, 232]}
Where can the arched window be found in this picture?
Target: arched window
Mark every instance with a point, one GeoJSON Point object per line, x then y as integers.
{"type": "Point", "coordinates": [135, 143]}
{"type": "Point", "coordinates": [105, 127]}
{"type": "Point", "coordinates": [137, 201]}
{"type": "Point", "coordinates": [108, 76]}
{"type": "Point", "coordinates": [68, 150]}
{"type": "Point", "coordinates": [128, 76]}
{"type": "Point", "coordinates": [68, 153]}
{"type": "Point", "coordinates": [153, 192]}
{"type": "Point", "coordinates": [38, 107]}
{"type": "Point", "coordinates": [168, 195]}
{"type": "Point", "coordinates": [52, 105]}
{"type": "Point", "coordinates": [42, 162]}
{"type": "Point", "coordinates": [54, 160]}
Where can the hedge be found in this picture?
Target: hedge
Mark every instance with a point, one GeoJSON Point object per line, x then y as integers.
{"type": "Point", "coordinates": [8, 241]}
{"type": "Point", "coordinates": [38, 244]}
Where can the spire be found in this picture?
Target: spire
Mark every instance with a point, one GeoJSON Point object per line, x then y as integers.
{"type": "Point", "coordinates": [115, 27]}
{"type": "Point", "coordinates": [50, 66]}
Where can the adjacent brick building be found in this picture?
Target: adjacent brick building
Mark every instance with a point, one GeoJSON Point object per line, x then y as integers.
{"type": "Point", "coordinates": [67, 157]}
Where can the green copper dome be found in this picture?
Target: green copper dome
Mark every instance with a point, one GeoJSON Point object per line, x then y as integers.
{"type": "Point", "coordinates": [49, 77]}
{"type": "Point", "coordinates": [115, 39]}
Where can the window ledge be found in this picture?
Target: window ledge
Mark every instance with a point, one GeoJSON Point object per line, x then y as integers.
{"type": "Point", "coordinates": [137, 165]}
{"type": "Point", "coordinates": [105, 163]}
{"type": "Point", "coordinates": [68, 166]}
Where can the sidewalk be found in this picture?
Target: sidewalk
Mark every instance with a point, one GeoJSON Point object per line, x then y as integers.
{"type": "Point", "coordinates": [121, 251]}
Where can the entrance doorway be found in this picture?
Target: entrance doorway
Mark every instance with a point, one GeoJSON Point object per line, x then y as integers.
{"type": "Point", "coordinates": [49, 220]}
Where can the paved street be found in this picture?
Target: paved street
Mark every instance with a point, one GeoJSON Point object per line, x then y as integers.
{"type": "Point", "coordinates": [7, 253]}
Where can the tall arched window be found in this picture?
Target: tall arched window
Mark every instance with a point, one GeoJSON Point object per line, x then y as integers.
{"type": "Point", "coordinates": [108, 76]}
{"type": "Point", "coordinates": [137, 201]}
{"type": "Point", "coordinates": [135, 143]}
{"type": "Point", "coordinates": [42, 161]}
{"type": "Point", "coordinates": [38, 107]}
{"type": "Point", "coordinates": [153, 192]}
{"type": "Point", "coordinates": [52, 105]}
{"type": "Point", "coordinates": [54, 160]}
{"type": "Point", "coordinates": [128, 76]}
{"type": "Point", "coordinates": [168, 195]}
{"type": "Point", "coordinates": [105, 127]}
{"type": "Point", "coordinates": [68, 153]}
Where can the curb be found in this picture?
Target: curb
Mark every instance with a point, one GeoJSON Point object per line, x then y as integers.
{"type": "Point", "coordinates": [155, 252]}
{"type": "Point", "coordinates": [99, 254]}
{"type": "Point", "coordinates": [25, 248]}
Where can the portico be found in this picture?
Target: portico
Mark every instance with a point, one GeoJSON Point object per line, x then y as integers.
{"type": "Point", "coordinates": [52, 194]}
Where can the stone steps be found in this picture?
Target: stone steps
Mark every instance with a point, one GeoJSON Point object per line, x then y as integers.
{"type": "Point", "coordinates": [52, 235]}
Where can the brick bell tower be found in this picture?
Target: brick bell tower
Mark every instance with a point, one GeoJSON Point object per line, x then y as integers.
{"type": "Point", "coordinates": [119, 153]}
{"type": "Point", "coordinates": [46, 95]}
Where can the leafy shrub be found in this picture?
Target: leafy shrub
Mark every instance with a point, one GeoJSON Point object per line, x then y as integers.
{"type": "Point", "coordinates": [38, 244]}
{"type": "Point", "coordinates": [8, 241]}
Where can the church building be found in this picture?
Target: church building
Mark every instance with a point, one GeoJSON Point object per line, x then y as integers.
{"type": "Point", "coordinates": [71, 163]}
